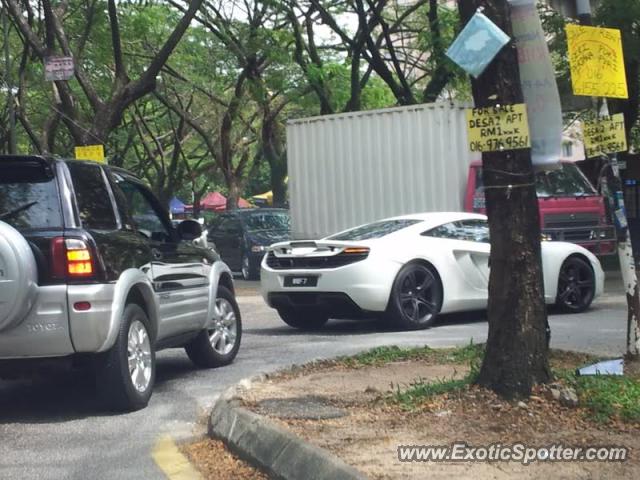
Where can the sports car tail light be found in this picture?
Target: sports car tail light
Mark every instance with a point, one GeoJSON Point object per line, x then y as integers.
{"type": "Point", "coordinates": [71, 258]}
{"type": "Point", "coordinates": [355, 250]}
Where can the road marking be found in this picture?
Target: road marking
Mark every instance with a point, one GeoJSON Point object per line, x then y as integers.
{"type": "Point", "coordinates": [172, 462]}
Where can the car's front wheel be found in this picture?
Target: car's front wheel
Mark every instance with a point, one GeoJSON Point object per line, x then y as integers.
{"type": "Point", "coordinates": [303, 319]}
{"type": "Point", "coordinates": [416, 297]}
{"type": "Point", "coordinates": [219, 344]}
{"type": "Point", "coordinates": [576, 285]}
{"type": "Point", "coordinates": [250, 270]}
{"type": "Point", "coordinates": [126, 373]}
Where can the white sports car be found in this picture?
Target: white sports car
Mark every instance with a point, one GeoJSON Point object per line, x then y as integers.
{"type": "Point", "coordinates": [411, 268]}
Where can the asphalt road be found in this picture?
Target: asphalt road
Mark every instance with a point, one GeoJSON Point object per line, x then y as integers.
{"type": "Point", "coordinates": [51, 428]}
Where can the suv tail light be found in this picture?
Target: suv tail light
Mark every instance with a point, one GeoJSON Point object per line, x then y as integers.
{"type": "Point", "coordinates": [71, 258]}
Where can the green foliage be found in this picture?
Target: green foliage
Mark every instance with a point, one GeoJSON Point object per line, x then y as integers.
{"type": "Point", "coordinates": [419, 391]}
{"type": "Point", "coordinates": [471, 354]}
{"type": "Point", "coordinates": [610, 397]}
{"type": "Point", "coordinates": [201, 77]}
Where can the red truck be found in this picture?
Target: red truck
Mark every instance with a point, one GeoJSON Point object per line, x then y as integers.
{"type": "Point", "coordinates": [571, 209]}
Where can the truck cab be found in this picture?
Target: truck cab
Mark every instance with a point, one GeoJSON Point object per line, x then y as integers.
{"type": "Point", "coordinates": [571, 210]}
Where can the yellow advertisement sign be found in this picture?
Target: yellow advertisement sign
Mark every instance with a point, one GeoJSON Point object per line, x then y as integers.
{"type": "Point", "coordinates": [605, 135]}
{"type": "Point", "coordinates": [596, 62]}
{"type": "Point", "coordinates": [503, 127]}
{"type": "Point", "coordinates": [90, 152]}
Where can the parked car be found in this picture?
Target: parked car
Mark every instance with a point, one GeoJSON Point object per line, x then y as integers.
{"type": "Point", "coordinates": [410, 268]}
{"type": "Point", "coordinates": [242, 237]}
{"type": "Point", "coordinates": [92, 268]}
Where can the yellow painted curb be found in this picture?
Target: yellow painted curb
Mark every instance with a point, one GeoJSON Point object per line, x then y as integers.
{"type": "Point", "coordinates": [172, 462]}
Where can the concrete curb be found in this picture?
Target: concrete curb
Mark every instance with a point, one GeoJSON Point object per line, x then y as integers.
{"type": "Point", "coordinates": [278, 452]}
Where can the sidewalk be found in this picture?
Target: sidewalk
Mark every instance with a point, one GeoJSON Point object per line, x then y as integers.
{"type": "Point", "coordinates": [360, 412]}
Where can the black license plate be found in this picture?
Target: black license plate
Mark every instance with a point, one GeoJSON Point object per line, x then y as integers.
{"type": "Point", "coordinates": [301, 281]}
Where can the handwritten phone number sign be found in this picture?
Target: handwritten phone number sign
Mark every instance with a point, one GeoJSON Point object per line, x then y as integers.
{"type": "Point", "coordinates": [596, 62]}
{"type": "Point", "coordinates": [606, 135]}
{"type": "Point", "coordinates": [503, 127]}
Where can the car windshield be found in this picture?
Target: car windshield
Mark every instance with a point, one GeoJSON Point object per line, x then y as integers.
{"type": "Point", "coordinates": [28, 197]}
{"type": "Point", "coordinates": [374, 230]}
{"type": "Point", "coordinates": [256, 221]}
{"type": "Point", "coordinates": [566, 181]}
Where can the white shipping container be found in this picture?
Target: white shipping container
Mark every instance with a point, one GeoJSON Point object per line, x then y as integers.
{"type": "Point", "coordinates": [353, 168]}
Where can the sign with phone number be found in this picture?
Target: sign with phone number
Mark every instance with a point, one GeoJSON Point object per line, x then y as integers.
{"type": "Point", "coordinates": [596, 61]}
{"type": "Point", "coordinates": [498, 128]}
{"type": "Point", "coordinates": [606, 135]}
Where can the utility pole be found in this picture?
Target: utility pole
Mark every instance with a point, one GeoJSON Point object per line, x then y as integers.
{"type": "Point", "coordinates": [9, 83]}
{"type": "Point", "coordinates": [615, 197]}
{"type": "Point", "coordinates": [516, 355]}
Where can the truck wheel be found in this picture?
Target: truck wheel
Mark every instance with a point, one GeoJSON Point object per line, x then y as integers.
{"type": "Point", "coordinates": [126, 373]}
{"type": "Point", "coordinates": [218, 346]}
{"type": "Point", "coordinates": [18, 277]}
{"type": "Point", "coordinates": [416, 297]}
{"type": "Point", "coordinates": [303, 319]}
{"type": "Point", "coordinates": [576, 285]}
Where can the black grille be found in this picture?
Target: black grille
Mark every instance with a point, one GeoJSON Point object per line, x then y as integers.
{"type": "Point", "coordinates": [563, 220]}
{"type": "Point", "coordinates": [571, 227]}
{"type": "Point", "coordinates": [333, 261]}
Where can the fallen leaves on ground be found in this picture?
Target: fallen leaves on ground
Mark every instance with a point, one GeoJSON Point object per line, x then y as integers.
{"type": "Point", "coordinates": [215, 462]}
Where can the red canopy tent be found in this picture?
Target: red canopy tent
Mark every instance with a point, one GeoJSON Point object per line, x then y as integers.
{"type": "Point", "coordinates": [216, 202]}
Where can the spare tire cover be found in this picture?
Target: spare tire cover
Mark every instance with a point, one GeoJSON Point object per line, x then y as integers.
{"type": "Point", "coordinates": [18, 277]}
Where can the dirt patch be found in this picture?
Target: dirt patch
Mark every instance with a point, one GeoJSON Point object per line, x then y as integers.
{"type": "Point", "coordinates": [349, 384]}
{"type": "Point", "coordinates": [368, 435]}
{"type": "Point", "coordinates": [215, 462]}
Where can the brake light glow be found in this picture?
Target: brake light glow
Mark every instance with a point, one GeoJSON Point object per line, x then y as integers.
{"type": "Point", "coordinates": [71, 257]}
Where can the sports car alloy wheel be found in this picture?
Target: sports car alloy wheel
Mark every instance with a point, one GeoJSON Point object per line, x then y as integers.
{"type": "Point", "coordinates": [223, 336]}
{"type": "Point", "coordinates": [576, 285]}
{"type": "Point", "coordinates": [246, 268]}
{"type": "Point", "coordinates": [416, 297]}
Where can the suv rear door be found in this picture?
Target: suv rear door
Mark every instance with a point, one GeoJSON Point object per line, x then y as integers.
{"type": "Point", "coordinates": [177, 267]}
{"type": "Point", "coordinates": [30, 203]}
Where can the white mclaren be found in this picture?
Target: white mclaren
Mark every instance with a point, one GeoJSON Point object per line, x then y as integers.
{"type": "Point", "coordinates": [410, 269]}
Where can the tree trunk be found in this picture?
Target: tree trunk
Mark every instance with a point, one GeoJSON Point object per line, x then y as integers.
{"type": "Point", "coordinates": [517, 348]}
{"type": "Point", "coordinates": [278, 185]}
{"type": "Point", "coordinates": [234, 193]}
{"type": "Point", "coordinates": [274, 152]}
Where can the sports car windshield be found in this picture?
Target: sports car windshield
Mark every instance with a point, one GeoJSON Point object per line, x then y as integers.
{"type": "Point", "coordinates": [374, 230]}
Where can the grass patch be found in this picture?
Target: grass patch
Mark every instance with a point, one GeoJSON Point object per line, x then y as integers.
{"type": "Point", "coordinates": [420, 391]}
{"type": "Point", "coordinates": [607, 397]}
{"type": "Point", "coordinates": [610, 397]}
{"type": "Point", "coordinates": [383, 355]}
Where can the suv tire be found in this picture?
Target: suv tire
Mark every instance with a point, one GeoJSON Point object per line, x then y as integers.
{"type": "Point", "coordinates": [219, 345]}
{"type": "Point", "coordinates": [133, 355]}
